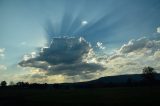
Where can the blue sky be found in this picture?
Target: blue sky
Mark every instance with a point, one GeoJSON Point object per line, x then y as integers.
{"type": "Point", "coordinates": [27, 25]}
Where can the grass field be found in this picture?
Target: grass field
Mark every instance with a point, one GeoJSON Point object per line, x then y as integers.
{"type": "Point", "coordinates": [79, 97]}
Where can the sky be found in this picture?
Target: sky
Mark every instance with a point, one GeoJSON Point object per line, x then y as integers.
{"type": "Point", "coordinates": [58, 41]}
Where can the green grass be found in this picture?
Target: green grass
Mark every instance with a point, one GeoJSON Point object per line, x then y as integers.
{"type": "Point", "coordinates": [108, 96]}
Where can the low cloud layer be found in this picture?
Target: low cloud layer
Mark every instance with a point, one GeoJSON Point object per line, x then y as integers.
{"type": "Point", "coordinates": [66, 56]}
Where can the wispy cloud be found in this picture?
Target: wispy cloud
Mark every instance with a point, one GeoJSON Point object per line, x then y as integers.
{"type": "Point", "coordinates": [100, 45]}
{"type": "Point", "coordinates": [2, 67]}
{"type": "Point", "coordinates": [2, 50]}
{"type": "Point", "coordinates": [158, 30]}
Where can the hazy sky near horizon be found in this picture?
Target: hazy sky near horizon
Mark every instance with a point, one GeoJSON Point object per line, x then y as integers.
{"type": "Point", "coordinates": [98, 38]}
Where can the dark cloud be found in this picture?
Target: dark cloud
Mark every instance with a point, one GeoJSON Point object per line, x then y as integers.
{"type": "Point", "coordinates": [65, 50]}
{"type": "Point", "coordinates": [66, 55]}
{"type": "Point", "coordinates": [74, 69]}
{"type": "Point", "coordinates": [114, 56]}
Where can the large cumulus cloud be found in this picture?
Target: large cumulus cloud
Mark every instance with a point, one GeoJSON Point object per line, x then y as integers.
{"type": "Point", "coordinates": [65, 55]}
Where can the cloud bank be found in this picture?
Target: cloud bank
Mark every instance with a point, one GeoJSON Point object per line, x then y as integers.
{"type": "Point", "coordinates": [133, 56]}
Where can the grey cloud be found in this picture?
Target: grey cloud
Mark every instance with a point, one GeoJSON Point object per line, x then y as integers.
{"type": "Point", "coordinates": [114, 56]}
{"type": "Point", "coordinates": [139, 44]}
{"type": "Point", "coordinates": [75, 69]}
{"type": "Point", "coordinates": [133, 45]}
{"type": "Point", "coordinates": [131, 63]}
{"type": "Point", "coordinates": [66, 56]}
{"type": "Point", "coordinates": [65, 50]}
{"type": "Point", "coordinates": [38, 76]}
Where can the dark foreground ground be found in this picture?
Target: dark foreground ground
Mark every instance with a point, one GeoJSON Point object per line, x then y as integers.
{"type": "Point", "coordinates": [130, 96]}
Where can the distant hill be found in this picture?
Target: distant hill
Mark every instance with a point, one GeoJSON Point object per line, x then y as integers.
{"type": "Point", "coordinates": [108, 81]}
{"type": "Point", "coordinates": [121, 78]}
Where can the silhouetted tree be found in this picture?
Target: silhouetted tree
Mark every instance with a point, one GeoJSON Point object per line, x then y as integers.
{"type": "Point", "coordinates": [11, 83]}
{"type": "Point", "coordinates": [3, 83]}
{"type": "Point", "coordinates": [22, 84]}
{"type": "Point", "coordinates": [19, 83]}
{"type": "Point", "coordinates": [149, 74]}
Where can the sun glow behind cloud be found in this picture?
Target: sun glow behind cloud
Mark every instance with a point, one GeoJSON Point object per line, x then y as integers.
{"type": "Point", "coordinates": [130, 58]}
{"type": "Point", "coordinates": [106, 26]}
{"type": "Point", "coordinates": [83, 23]}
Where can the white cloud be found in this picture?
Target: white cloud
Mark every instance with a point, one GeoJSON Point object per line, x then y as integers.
{"type": "Point", "coordinates": [100, 45]}
{"type": "Point", "coordinates": [158, 30]}
{"type": "Point", "coordinates": [29, 56]}
{"type": "Point", "coordinates": [3, 67]}
{"type": "Point", "coordinates": [2, 50]}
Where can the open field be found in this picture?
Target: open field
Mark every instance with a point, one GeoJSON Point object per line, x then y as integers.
{"type": "Point", "coordinates": [99, 96]}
